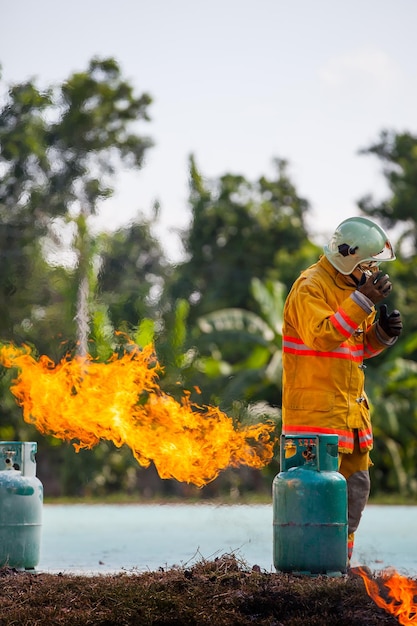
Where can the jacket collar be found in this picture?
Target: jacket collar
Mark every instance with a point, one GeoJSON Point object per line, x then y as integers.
{"type": "Point", "coordinates": [341, 280]}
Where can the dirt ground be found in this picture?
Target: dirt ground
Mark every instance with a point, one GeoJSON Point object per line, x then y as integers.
{"type": "Point", "coordinates": [220, 592]}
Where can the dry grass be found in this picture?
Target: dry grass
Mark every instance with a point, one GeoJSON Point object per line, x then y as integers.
{"type": "Point", "coordinates": [223, 592]}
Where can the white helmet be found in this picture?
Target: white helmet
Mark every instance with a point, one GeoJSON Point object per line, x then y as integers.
{"type": "Point", "coordinates": [358, 240]}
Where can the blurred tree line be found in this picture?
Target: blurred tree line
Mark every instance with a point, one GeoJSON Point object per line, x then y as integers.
{"type": "Point", "coordinates": [215, 318]}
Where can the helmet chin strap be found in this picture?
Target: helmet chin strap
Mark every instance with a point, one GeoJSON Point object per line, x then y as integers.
{"type": "Point", "coordinates": [355, 280]}
{"type": "Point", "coordinates": [366, 271]}
{"type": "Point", "coordinates": [359, 281]}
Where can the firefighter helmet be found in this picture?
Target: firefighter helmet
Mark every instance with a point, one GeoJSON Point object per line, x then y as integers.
{"type": "Point", "coordinates": [357, 241]}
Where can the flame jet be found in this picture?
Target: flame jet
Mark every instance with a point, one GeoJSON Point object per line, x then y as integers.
{"type": "Point", "coordinates": [84, 401]}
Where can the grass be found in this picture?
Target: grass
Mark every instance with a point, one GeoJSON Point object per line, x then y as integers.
{"type": "Point", "coordinates": [223, 592]}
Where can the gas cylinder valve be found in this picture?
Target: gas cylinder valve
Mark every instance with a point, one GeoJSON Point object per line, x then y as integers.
{"type": "Point", "coordinates": [308, 454]}
{"type": "Point", "coordinates": [9, 455]}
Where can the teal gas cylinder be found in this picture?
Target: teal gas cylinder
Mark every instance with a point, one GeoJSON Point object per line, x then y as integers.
{"type": "Point", "coordinates": [310, 507]}
{"type": "Point", "coordinates": [21, 500]}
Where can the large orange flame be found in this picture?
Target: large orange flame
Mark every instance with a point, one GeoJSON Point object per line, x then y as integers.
{"type": "Point", "coordinates": [400, 594]}
{"type": "Point", "coordinates": [84, 401]}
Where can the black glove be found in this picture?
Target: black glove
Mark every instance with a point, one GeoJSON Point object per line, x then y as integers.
{"type": "Point", "coordinates": [391, 324]}
{"type": "Point", "coordinates": [375, 287]}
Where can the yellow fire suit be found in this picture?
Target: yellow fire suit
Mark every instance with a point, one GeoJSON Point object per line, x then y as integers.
{"type": "Point", "coordinates": [329, 329]}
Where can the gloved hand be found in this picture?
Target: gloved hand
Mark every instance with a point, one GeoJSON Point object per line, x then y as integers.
{"type": "Point", "coordinates": [376, 287]}
{"type": "Point", "coordinates": [391, 324]}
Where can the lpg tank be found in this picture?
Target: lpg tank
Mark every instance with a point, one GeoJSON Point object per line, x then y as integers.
{"type": "Point", "coordinates": [310, 507]}
{"type": "Point", "coordinates": [21, 500]}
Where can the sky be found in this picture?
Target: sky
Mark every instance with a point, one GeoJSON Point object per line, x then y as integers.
{"type": "Point", "coordinates": [236, 83]}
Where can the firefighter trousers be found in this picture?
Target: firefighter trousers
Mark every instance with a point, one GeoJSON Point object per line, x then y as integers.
{"type": "Point", "coordinates": [355, 468]}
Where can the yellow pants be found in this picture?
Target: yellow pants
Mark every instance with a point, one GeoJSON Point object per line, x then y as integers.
{"type": "Point", "coordinates": [355, 468]}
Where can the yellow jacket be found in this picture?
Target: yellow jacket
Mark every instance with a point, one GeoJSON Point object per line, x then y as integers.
{"type": "Point", "coordinates": [328, 331]}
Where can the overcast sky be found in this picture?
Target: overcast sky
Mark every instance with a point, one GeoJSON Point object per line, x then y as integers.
{"type": "Point", "coordinates": [236, 83]}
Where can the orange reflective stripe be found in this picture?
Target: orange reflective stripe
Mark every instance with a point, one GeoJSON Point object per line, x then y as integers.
{"type": "Point", "coordinates": [346, 439]}
{"type": "Point", "coordinates": [366, 438]}
{"type": "Point", "coordinates": [350, 545]}
{"type": "Point", "coordinates": [343, 323]}
{"type": "Point", "coordinates": [369, 351]}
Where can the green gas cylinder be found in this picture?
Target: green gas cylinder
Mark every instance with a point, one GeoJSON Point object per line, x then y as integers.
{"type": "Point", "coordinates": [310, 507]}
{"type": "Point", "coordinates": [21, 499]}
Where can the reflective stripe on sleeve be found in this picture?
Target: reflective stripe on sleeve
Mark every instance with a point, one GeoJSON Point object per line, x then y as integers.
{"type": "Point", "coordinates": [366, 439]}
{"type": "Point", "coordinates": [343, 323]}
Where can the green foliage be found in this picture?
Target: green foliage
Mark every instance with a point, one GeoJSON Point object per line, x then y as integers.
{"type": "Point", "coordinates": [392, 378]}
{"type": "Point", "coordinates": [240, 351]}
{"type": "Point", "coordinates": [392, 387]}
{"type": "Point", "coordinates": [92, 134]}
{"type": "Point", "coordinates": [239, 231]}
{"type": "Point", "coordinates": [145, 333]}
{"type": "Point", "coordinates": [132, 275]}
{"type": "Point", "coordinates": [22, 160]}
{"type": "Point", "coordinates": [103, 343]}
{"type": "Point", "coordinates": [398, 155]}
{"type": "Point", "coordinates": [59, 151]}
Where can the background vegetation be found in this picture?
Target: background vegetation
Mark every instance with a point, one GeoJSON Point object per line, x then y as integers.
{"type": "Point", "coordinates": [215, 317]}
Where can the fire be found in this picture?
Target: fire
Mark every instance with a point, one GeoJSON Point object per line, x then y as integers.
{"type": "Point", "coordinates": [85, 401]}
{"type": "Point", "coordinates": [401, 594]}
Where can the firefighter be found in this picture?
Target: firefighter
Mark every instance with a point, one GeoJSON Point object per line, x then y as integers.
{"type": "Point", "coordinates": [329, 329]}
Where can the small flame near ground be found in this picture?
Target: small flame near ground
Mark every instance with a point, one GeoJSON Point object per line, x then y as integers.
{"type": "Point", "coordinates": [395, 593]}
{"type": "Point", "coordinates": [85, 401]}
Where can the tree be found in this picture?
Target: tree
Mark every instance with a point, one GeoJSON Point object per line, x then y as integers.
{"type": "Point", "coordinates": [392, 389]}
{"type": "Point", "coordinates": [239, 230]}
{"type": "Point", "coordinates": [132, 275]}
{"type": "Point", "coordinates": [89, 140]}
{"type": "Point", "coordinates": [60, 150]}
{"type": "Point", "coordinates": [22, 220]}
{"type": "Point", "coordinates": [398, 153]}
{"type": "Point", "coordinates": [392, 378]}
{"type": "Point", "coordinates": [241, 351]}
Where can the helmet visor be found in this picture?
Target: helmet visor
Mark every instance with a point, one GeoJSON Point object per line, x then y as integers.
{"type": "Point", "coordinates": [386, 254]}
